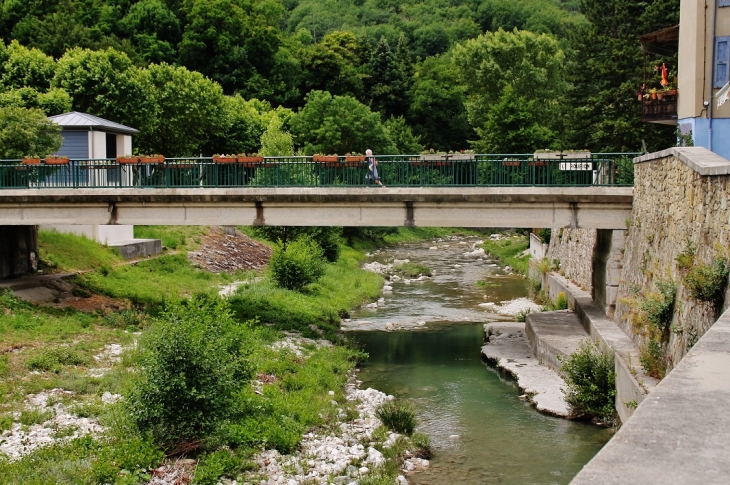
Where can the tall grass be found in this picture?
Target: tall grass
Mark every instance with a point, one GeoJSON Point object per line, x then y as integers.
{"type": "Point", "coordinates": [508, 251]}
{"type": "Point", "coordinates": [68, 252]}
{"type": "Point", "coordinates": [180, 238]}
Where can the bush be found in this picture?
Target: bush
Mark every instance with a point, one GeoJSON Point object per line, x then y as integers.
{"type": "Point", "coordinates": [706, 282]}
{"type": "Point", "coordinates": [659, 306]}
{"type": "Point", "coordinates": [652, 358]}
{"type": "Point", "coordinates": [192, 360]}
{"type": "Point", "coordinates": [297, 265]}
{"type": "Point", "coordinates": [591, 379]}
{"type": "Point", "coordinates": [53, 360]}
{"type": "Point", "coordinates": [397, 416]}
{"type": "Point", "coordinates": [412, 270]}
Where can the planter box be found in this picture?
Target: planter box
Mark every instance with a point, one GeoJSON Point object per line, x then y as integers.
{"type": "Point", "coordinates": [31, 161]}
{"type": "Point", "coordinates": [538, 164]}
{"type": "Point", "coordinates": [224, 160]}
{"type": "Point", "coordinates": [151, 159]}
{"type": "Point", "coordinates": [355, 158]}
{"type": "Point", "coordinates": [56, 160]}
{"type": "Point", "coordinates": [461, 156]}
{"type": "Point", "coordinates": [127, 160]}
{"type": "Point", "coordinates": [325, 158]}
{"type": "Point", "coordinates": [250, 159]}
{"type": "Point", "coordinates": [511, 163]}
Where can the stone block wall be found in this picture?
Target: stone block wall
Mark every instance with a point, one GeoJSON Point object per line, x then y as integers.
{"type": "Point", "coordinates": [681, 195]}
{"type": "Point", "coordinates": [574, 249]}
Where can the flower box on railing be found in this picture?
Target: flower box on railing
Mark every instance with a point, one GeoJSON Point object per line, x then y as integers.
{"type": "Point", "coordinates": [355, 158]}
{"type": "Point", "coordinates": [152, 159]}
{"type": "Point", "coordinates": [127, 160]}
{"type": "Point", "coordinates": [511, 163]}
{"type": "Point", "coordinates": [31, 161]}
{"type": "Point", "coordinates": [538, 164]}
{"type": "Point", "coordinates": [325, 158]}
{"type": "Point", "coordinates": [220, 159]}
{"type": "Point", "coordinates": [250, 159]}
{"type": "Point", "coordinates": [55, 160]}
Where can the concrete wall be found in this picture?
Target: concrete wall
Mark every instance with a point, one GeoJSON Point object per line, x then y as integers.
{"type": "Point", "coordinates": [678, 434]}
{"type": "Point", "coordinates": [18, 250]}
{"type": "Point", "coordinates": [124, 145]}
{"type": "Point", "coordinates": [97, 144]}
{"type": "Point", "coordinates": [104, 234]}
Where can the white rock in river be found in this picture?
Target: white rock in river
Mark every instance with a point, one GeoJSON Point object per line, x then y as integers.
{"type": "Point", "coordinates": [401, 480]}
{"type": "Point", "coordinates": [433, 248]}
{"type": "Point", "coordinates": [387, 288]}
{"type": "Point", "coordinates": [457, 266]}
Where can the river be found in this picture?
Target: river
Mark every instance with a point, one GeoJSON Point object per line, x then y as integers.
{"type": "Point", "coordinates": [480, 430]}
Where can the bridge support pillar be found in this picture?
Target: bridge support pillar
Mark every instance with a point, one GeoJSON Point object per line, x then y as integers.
{"type": "Point", "coordinates": [18, 250]}
{"type": "Point", "coordinates": [607, 265]}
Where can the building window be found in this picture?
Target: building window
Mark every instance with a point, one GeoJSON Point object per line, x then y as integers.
{"type": "Point", "coordinates": [722, 60]}
{"type": "Point", "coordinates": [725, 3]}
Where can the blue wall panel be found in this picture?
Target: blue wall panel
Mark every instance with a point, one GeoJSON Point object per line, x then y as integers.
{"type": "Point", "coordinates": [75, 144]}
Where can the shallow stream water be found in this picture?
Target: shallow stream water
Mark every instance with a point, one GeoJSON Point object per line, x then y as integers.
{"type": "Point", "coordinates": [480, 431]}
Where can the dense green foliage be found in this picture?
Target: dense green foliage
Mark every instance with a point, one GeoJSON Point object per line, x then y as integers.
{"type": "Point", "coordinates": [27, 132]}
{"type": "Point", "coordinates": [298, 264]}
{"type": "Point", "coordinates": [193, 360]}
{"type": "Point", "coordinates": [591, 379]}
{"type": "Point", "coordinates": [206, 76]}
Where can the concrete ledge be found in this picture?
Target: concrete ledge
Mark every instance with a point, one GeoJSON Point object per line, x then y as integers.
{"type": "Point", "coordinates": [679, 434]}
{"type": "Point", "coordinates": [553, 336]}
{"type": "Point", "coordinates": [699, 159]}
{"type": "Point", "coordinates": [632, 383]}
{"type": "Point", "coordinates": [138, 248]}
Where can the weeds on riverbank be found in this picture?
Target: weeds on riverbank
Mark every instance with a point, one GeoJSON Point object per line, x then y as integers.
{"type": "Point", "coordinates": [509, 251]}
{"type": "Point", "coordinates": [179, 238]}
{"type": "Point", "coordinates": [397, 416]}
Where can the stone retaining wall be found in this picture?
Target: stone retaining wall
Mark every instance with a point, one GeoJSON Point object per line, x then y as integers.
{"type": "Point", "coordinates": [574, 249]}
{"type": "Point", "coordinates": [681, 195]}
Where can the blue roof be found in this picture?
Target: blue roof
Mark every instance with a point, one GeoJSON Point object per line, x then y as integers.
{"type": "Point", "coordinates": [74, 119]}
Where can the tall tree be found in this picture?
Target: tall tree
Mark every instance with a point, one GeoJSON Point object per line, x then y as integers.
{"type": "Point", "coordinates": [338, 124]}
{"type": "Point", "coordinates": [27, 132]}
{"type": "Point", "coordinates": [502, 69]}
{"type": "Point", "coordinates": [388, 82]}
{"type": "Point", "coordinates": [606, 69]}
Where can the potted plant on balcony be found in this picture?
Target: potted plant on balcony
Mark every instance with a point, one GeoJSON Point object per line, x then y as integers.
{"type": "Point", "coordinates": [652, 93]}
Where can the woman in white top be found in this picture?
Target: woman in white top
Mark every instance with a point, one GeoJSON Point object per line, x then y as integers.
{"type": "Point", "coordinates": [373, 166]}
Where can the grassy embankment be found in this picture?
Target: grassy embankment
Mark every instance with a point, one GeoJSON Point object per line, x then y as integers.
{"type": "Point", "coordinates": [44, 348]}
{"type": "Point", "coordinates": [509, 251]}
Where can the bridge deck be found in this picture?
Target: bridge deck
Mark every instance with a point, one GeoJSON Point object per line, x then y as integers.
{"type": "Point", "coordinates": [586, 207]}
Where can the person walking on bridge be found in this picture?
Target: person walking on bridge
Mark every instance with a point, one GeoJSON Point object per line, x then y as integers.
{"type": "Point", "coordinates": [372, 167]}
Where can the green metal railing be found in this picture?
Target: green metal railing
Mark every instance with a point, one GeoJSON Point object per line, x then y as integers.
{"type": "Point", "coordinates": [599, 169]}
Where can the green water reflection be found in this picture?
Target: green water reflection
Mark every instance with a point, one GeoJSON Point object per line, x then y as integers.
{"type": "Point", "coordinates": [500, 438]}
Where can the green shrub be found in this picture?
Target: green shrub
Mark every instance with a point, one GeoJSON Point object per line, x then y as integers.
{"type": "Point", "coordinates": [422, 445]}
{"type": "Point", "coordinates": [193, 358]}
{"type": "Point", "coordinates": [561, 302]}
{"type": "Point", "coordinates": [4, 365]}
{"type": "Point", "coordinates": [591, 378]}
{"type": "Point", "coordinates": [297, 265]}
{"type": "Point", "coordinates": [54, 359]}
{"type": "Point", "coordinates": [686, 259]}
{"type": "Point", "coordinates": [397, 416]}
{"type": "Point", "coordinates": [652, 359]}
{"type": "Point", "coordinates": [6, 423]}
{"type": "Point", "coordinates": [34, 416]}
{"type": "Point", "coordinates": [706, 282]}
{"type": "Point", "coordinates": [130, 455]}
{"type": "Point", "coordinates": [521, 316]}
{"type": "Point", "coordinates": [212, 466]}
{"type": "Point", "coordinates": [659, 306]}
{"type": "Point", "coordinates": [412, 270]}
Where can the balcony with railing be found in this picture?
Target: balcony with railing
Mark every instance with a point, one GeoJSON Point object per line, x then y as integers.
{"type": "Point", "coordinates": [660, 108]}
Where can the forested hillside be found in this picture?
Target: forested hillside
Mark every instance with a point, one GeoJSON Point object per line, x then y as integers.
{"type": "Point", "coordinates": [205, 76]}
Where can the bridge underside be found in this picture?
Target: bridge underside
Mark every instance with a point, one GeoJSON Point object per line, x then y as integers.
{"type": "Point", "coordinates": [578, 207]}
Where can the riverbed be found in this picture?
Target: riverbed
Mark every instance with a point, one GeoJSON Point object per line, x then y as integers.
{"type": "Point", "coordinates": [480, 429]}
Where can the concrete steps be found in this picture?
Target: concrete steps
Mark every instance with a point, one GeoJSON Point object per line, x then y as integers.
{"type": "Point", "coordinates": [553, 336]}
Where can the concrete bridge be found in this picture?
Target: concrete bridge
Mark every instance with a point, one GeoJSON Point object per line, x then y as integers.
{"type": "Point", "coordinates": [574, 207]}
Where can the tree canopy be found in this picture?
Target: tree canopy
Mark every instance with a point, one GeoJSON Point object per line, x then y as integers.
{"type": "Point", "coordinates": [208, 76]}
